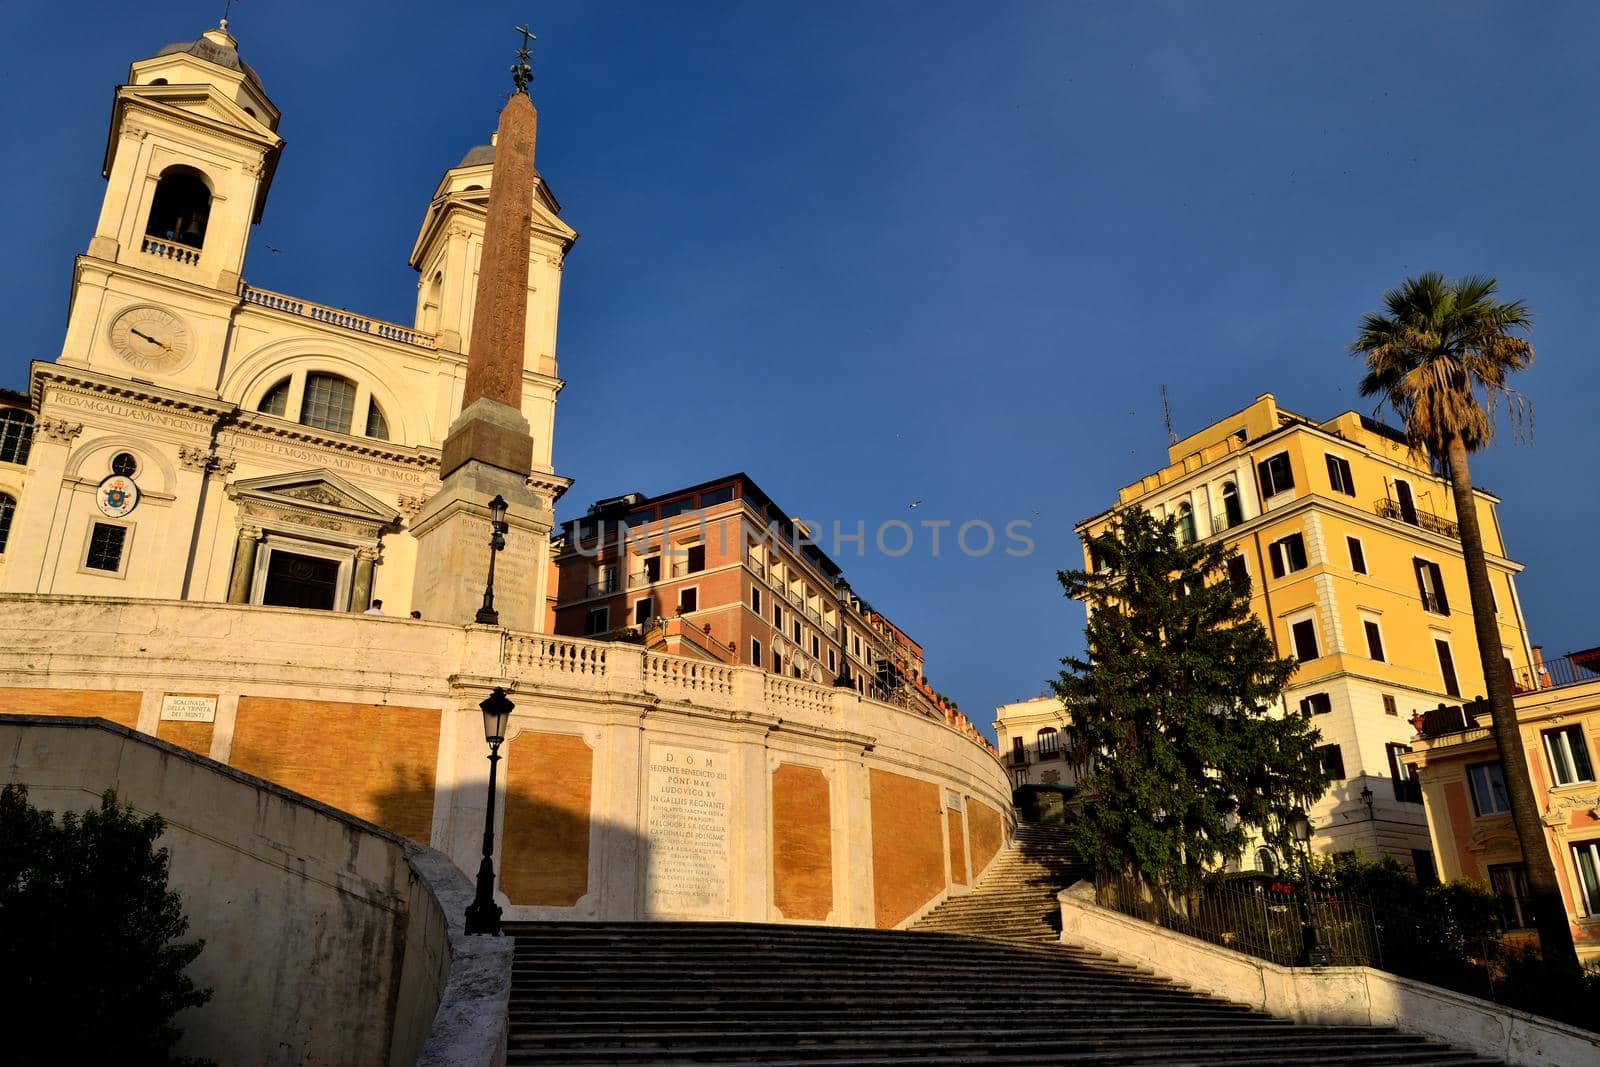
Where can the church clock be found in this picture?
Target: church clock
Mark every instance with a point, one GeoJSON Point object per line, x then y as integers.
{"type": "Point", "coordinates": [150, 338]}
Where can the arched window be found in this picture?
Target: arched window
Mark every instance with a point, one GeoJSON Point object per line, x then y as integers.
{"type": "Point", "coordinates": [16, 435]}
{"type": "Point", "coordinates": [1049, 743]}
{"type": "Point", "coordinates": [276, 400]}
{"type": "Point", "coordinates": [158, 81]}
{"type": "Point", "coordinates": [329, 402]}
{"type": "Point", "coordinates": [1232, 510]}
{"type": "Point", "coordinates": [8, 508]}
{"type": "Point", "coordinates": [1266, 862]}
{"type": "Point", "coordinates": [1186, 531]}
{"type": "Point", "coordinates": [377, 425]}
{"type": "Point", "coordinates": [181, 207]}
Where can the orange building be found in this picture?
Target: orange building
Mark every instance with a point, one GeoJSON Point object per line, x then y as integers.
{"type": "Point", "coordinates": [720, 571]}
{"type": "Point", "coordinates": [1558, 711]}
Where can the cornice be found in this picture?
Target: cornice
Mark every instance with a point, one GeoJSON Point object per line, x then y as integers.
{"type": "Point", "coordinates": [86, 382]}
{"type": "Point", "coordinates": [248, 424]}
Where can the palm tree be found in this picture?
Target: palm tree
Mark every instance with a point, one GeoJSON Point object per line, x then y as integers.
{"type": "Point", "coordinates": [1441, 357]}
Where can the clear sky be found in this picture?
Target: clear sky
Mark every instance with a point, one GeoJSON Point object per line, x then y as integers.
{"type": "Point", "coordinates": [876, 254]}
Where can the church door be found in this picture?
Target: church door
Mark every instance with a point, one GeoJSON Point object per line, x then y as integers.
{"type": "Point", "coordinates": [296, 581]}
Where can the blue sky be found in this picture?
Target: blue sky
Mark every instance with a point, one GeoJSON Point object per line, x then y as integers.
{"type": "Point", "coordinates": [882, 253]}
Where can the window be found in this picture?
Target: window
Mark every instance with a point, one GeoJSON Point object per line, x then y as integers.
{"type": "Point", "coordinates": [816, 647]}
{"type": "Point", "coordinates": [16, 435]}
{"type": "Point", "coordinates": [1430, 586]}
{"type": "Point", "coordinates": [1304, 634]}
{"type": "Point", "coordinates": [1288, 554]}
{"type": "Point", "coordinates": [605, 579]}
{"type": "Point", "coordinates": [777, 662]}
{"type": "Point", "coordinates": [688, 600]}
{"type": "Point", "coordinates": [694, 559]}
{"type": "Point", "coordinates": [755, 601]}
{"type": "Point", "coordinates": [1266, 862]}
{"type": "Point", "coordinates": [596, 621]}
{"type": "Point", "coordinates": [181, 207]}
{"type": "Point", "coordinates": [124, 464]}
{"type": "Point", "coordinates": [329, 402]}
{"type": "Point", "coordinates": [833, 660]}
{"type": "Point", "coordinates": [1276, 474]}
{"type": "Point", "coordinates": [1019, 778]}
{"type": "Point", "coordinates": [1406, 785]}
{"type": "Point", "coordinates": [777, 618]}
{"type": "Point", "coordinates": [1568, 754]}
{"type": "Point", "coordinates": [1049, 743]}
{"type": "Point", "coordinates": [106, 542]}
{"type": "Point", "coordinates": [1019, 753]}
{"type": "Point", "coordinates": [1447, 666]}
{"type": "Point", "coordinates": [1232, 512]}
{"type": "Point", "coordinates": [1339, 475]}
{"type": "Point", "coordinates": [755, 652]}
{"type": "Point", "coordinates": [1586, 858]}
{"type": "Point", "coordinates": [1510, 882]}
{"type": "Point", "coordinates": [377, 425]}
{"type": "Point", "coordinates": [855, 644]}
{"type": "Point", "coordinates": [275, 401]}
{"type": "Point", "coordinates": [1316, 704]}
{"type": "Point", "coordinates": [1488, 789]}
{"type": "Point", "coordinates": [1186, 529]}
{"type": "Point", "coordinates": [1388, 705]}
{"type": "Point", "coordinates": [1374, 639]}
{"type": "Point", "coordinates": [1427, 872]}
{"type": "Point", "coordinates": [643, 610]}
{"type": "Point", "coordinates": [797, 631]}
{"type": "Point", "coordinates": [1405, 502]}
{"type": "Point", "coordinates": [652, 568]}
{"type": "Point", "coordinates": [1332, 760]}
{"type": "Point", "coordinates": [1358, 558]}
{"type": "Point", "coordinates": [1238, 574]}
{"type": "Point", "coordinates": [8, 508]}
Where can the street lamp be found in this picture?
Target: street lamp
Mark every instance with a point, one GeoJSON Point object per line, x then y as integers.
{"type": "Point", "coordinates": [497, 540]}
{"type": "Point", "coordinates": [483, 914]}
{"type": "Point", "coordinates": [843, 680]}
{"type": "Point", "coordinates": [1316, 953]}
{"type": "Point", "coordinates": [1366, 798]}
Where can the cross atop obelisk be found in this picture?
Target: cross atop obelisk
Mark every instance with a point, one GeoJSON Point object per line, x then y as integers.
{"type": "Point", "coordinates": [488, 451]}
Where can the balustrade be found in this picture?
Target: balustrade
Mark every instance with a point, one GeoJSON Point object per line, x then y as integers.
{"type": "Point", "coordinates": [345, 320]}
{"type": "Point", "coordinates": [170, 250]}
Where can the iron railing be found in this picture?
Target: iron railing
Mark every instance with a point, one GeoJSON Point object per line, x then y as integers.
{"type": "Point", "coordinates": [1260, 917]}
{"type": "Point", "coordinates": [1574, 668]}
{"type": "Point", "coordinates": [1391, 509]}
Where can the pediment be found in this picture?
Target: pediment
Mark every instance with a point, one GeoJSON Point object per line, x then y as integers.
{"type": "Point", "coordinates": [317, 490]}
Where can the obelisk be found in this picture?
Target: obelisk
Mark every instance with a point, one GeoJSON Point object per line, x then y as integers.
{"type": "Point", "coordinates": [488, 450]}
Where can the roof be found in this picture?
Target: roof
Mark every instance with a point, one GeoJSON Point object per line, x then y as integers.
{"type": "Point", "coordinates": [206, 47]}
{"type": "Point", "coordinates": [477, 155]}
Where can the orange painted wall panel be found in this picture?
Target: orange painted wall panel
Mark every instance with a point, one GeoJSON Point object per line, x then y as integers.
{"type": "Point", "coordinates": [907, 845]}
{"type": "Point", "coordinates": [958, 849]}
{"type": "Point", "coordinates": [374, 761]}
{"type": "Point", "coordinates": [988, 833]}
{"type": "Point", "coordinates": [802, 843]}
{"type": "Point", "coordinates": [194, 736]}
{"type": "Point", "coordinates": [120, 708]}
{"type": "Point", "coordinates": [545, 850]}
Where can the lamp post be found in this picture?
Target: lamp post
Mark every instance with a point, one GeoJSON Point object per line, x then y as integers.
{"type": "Point", "coordinates": [1316, 953]}
{"type": "Point", "coordinates": [843, 680]}
{"type": "Point", "coordinates": [483, 914]}
{"type": "Point", "coordinates": [1366, 798]}
{"type": "Point", "coordinates": [497, 540]}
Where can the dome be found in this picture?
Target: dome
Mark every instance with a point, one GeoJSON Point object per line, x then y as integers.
{"type": "Point", "coordinates": [215, 46]}
{"type": "Point", "coordinates": [477, 156]}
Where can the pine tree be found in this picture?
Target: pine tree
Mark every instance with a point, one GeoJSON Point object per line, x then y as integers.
{"type": "Point", "coordinates": [1180, 746]}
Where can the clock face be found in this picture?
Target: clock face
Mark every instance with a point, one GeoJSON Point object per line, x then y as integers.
{"type": "Point", "coordinates": [150, 338]}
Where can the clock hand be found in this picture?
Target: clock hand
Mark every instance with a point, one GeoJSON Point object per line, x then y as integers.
{"type": "Point", "coordinates": [152, 340]}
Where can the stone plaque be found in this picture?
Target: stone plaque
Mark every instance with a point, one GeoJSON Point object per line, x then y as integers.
{"type": "Point", "coordinates": [176, 708]}
{"type": "Point", "coordinates": [687, 832]}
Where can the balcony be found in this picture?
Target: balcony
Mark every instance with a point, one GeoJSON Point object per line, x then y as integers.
{"type": "Point", "coordinates": [1016, 759]}
{"type": "Point", "coordinates": [170, 250]}
{"type": "Point", "coordinates": [1575, 668]}
{"type": "Point", "coordinates": [1390, 509]}
{"type": "Point", "coordinates": [345, 320]}
{"type": "Point", "coordinates": [604, 587]}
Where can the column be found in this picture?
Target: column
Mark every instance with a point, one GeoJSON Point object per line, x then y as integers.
{"type": "Point", "coordinates": [361, 590]}
{"type": "Point", "coordinates": [244, 565]}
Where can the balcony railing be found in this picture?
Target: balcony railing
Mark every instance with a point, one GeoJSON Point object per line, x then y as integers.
{"type": "Point", "coordinates": [1574, 668]}
{"type": "Point", "coordinates": [602, 588]}
{"type": "Point", "coordinates": [170, 250]}
{"type": "Point", "coordinates": [1390, 509]}
{"type": "Point", "coordinates": [346, 320]}
{"type": "Point", "coordinates": [1016, 759]}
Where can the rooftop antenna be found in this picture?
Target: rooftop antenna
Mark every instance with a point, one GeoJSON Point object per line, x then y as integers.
{"type": "Point", "coordinates": [1166, 415]}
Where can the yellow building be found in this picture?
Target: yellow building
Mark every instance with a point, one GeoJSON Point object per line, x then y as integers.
{"type": "Point", "coordinates": [1351, 549]}
{"type": "Point", "coordinates": [1032, 735]}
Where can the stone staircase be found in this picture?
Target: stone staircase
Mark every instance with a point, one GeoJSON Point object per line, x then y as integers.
{"type": "Point", "coordinates": [981, 980]}
{"type": "Point", "coordinates": [1015, 900]}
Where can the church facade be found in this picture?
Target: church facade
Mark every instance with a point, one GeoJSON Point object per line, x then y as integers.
{"type": "Point", "coordinates": [198, 438]}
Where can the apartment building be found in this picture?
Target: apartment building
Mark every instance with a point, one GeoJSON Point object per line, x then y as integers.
{"type": "Point", "coordinates": [1351, 551]}
{"type": "Point", "coordinates": [1033, 742]}
{"type": "Point", "coordinates": [719, 571]}
{"type": "Point", "coordinates": [1469, 815]}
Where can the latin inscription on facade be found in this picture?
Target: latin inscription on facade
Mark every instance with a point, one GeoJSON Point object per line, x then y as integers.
{"type": "Point", "coordinates": [687, 820]}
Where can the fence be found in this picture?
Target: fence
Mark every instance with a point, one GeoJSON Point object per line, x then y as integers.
{"type": "Point", "coordinates": [1261, 918]}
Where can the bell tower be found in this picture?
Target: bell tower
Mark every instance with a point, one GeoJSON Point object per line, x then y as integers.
{"type": "Point", "coordinates": [188, 163]}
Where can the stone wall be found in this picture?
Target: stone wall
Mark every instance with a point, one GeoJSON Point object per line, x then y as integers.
{"type": "Point", "coordinates": [326, 942]}
{"type": "Point", "coordinates": [633, 784]}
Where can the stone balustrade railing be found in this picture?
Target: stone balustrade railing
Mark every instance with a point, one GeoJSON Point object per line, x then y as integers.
{"type": "Point", "coordinates": [555, 655]}
{"type": "Point", "coordinates": [346, 320]}
{"type": "Point", "coordinates": [170, 250]}
{"type": "Point", "coordinates": [706, 681]}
